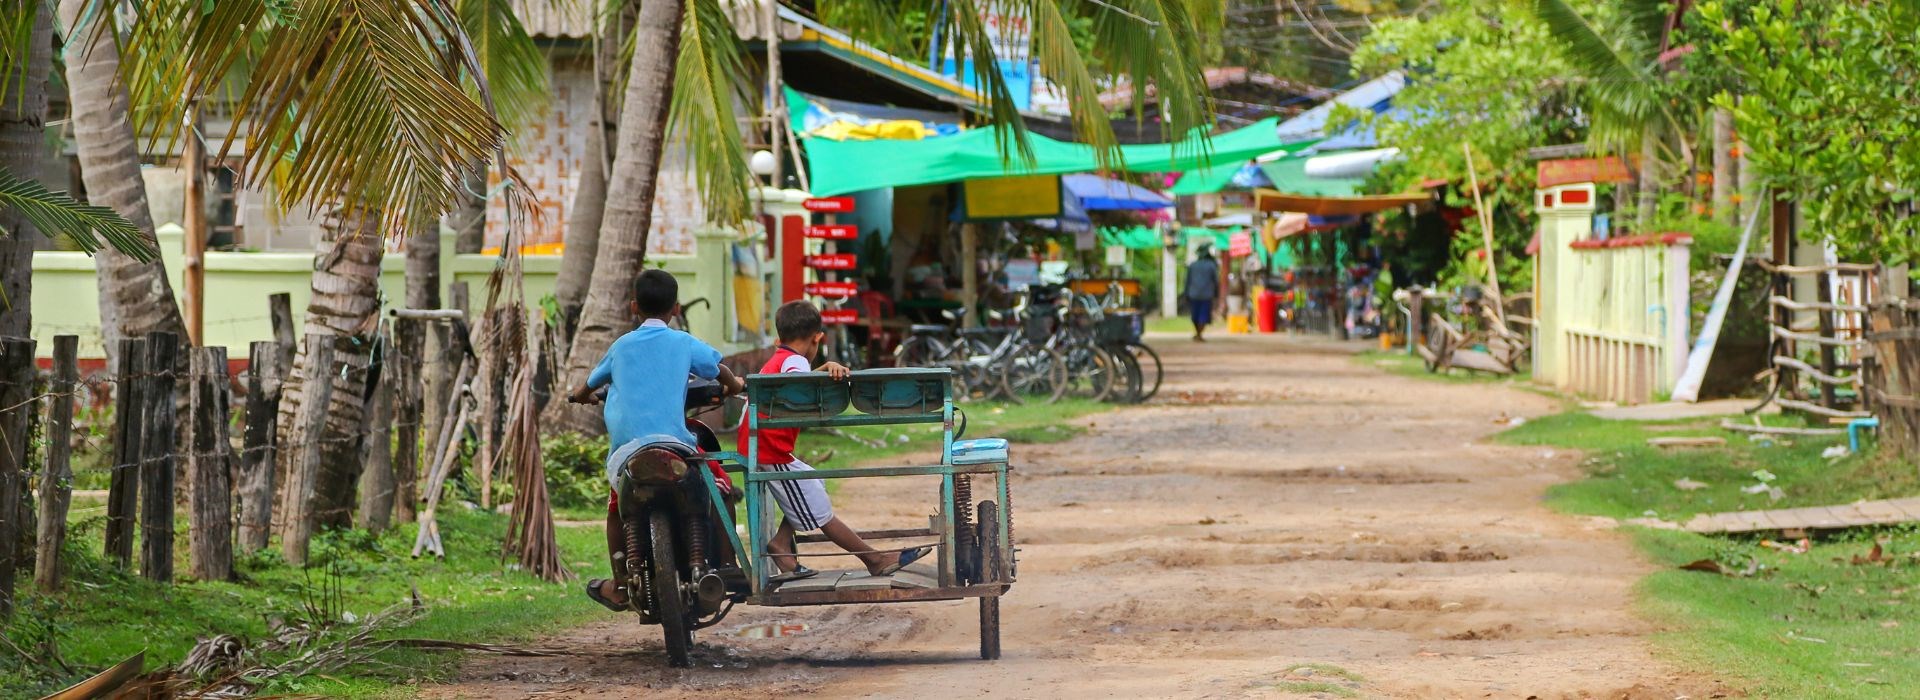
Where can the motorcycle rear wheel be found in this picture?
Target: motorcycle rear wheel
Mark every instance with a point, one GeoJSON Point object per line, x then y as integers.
{"type": "Point", "coordinates": [669, 591]}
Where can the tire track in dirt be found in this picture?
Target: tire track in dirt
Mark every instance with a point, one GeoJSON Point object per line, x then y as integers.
{"type": "Point", "coordinates": [1283, 506]}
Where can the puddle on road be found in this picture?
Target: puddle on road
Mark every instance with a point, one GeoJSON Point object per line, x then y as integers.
{"type": "Point", "coordinates": [771, 630]}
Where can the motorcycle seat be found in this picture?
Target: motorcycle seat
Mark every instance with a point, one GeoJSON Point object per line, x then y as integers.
{"type": "Point", "coordinates": [621, 455]}
{"type": "Point", "coordinates": [927, 328]}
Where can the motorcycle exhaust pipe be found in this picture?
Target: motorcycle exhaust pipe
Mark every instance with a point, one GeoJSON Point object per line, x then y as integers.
{"type": "Point", "coordinates": [712, 592]}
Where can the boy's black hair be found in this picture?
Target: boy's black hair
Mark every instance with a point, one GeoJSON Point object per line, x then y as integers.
{"type": "Point", "coordinates": [796, 320]}
{"type": "Point", "coordinates": [656, 291]}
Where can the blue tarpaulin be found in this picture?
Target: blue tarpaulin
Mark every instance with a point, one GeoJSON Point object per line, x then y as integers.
{"type": "Point", "coordinates": [1097, 193]}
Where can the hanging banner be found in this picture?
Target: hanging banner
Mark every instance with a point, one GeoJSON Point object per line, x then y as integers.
{"type": "Point", "coordinates": [832, 261]}
{"type": "Point", "coordinates": [828, 205]}
{"type": "Point", "coordinates": [1017, 197]}
{"type": "Point", "coordinates": [833, 290]}
{"type": "Point", "coordinates": [839, 317]}
{"type": "Point", "coordinates": [833, 232]}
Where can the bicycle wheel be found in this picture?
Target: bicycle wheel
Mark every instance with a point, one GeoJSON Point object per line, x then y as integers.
{"type": "Point", "coordinates": [1091, 371]}
{"type": "Point", "coordinates": [1127, 386]}
{"type": "Point", "coordinates": [915, 351]}
{"type": "Point", "coordinates": [1150, 371]}
{"type": "Point", "coordinates": [1034, 373]}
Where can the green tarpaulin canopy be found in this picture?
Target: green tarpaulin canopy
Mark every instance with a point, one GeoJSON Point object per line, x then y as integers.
{"type": "Point", "coordinates": [1136, 237]}
{"type": "Point", "coordinates": [840, 167]}
{"type": "Point", "coordinates": [1289, 175]}
{"type": "Point", "coordinates": [1207, 180]}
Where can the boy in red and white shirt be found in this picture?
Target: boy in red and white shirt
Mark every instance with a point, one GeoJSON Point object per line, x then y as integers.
{"type": "Point", "coordinates": [805, 500]}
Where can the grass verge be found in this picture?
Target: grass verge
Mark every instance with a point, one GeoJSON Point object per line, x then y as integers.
{"type": "Point", "coordinates": [105, 615]}
{"type": "Point", "coordinates": [1832, 622]}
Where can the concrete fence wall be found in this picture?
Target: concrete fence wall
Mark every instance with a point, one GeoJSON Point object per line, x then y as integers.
{"type": "Point", "coordinates": [66, 294]}
{"type": "Point", "coordinates": [1613, 314]}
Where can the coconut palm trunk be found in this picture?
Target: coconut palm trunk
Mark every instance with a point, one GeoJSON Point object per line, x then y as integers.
{"type": "Point", "coordinates": [590, 198]}
{"type": "Point", "coordinates": [345, 305]}
{"type": "Point", "coordinates": [629, 204]}
{"type": "Point", "coordinates": [135, 297]}
{"type": "Point", "coordinates": [23, 142]}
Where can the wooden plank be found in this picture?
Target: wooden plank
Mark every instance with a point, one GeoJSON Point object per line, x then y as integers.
{"type": "Point", "coordinates": [56, 479]}
{"type": "Point", "coordinates": [909, 578]}
{"type": "Point", "coordinates": [1687, 441]}
{"type": "Point", "coordinates": [862, 581]}
{"type": "Point", "coordinates": [304, 470]}
{"type": "Point", "coordinates": [824, 582]}
{"type": "Point", "coordinates": [1884, 512]}
{"type": "Point", "coordinates": [158, 418]}
{"type": "Point", "coordinates": [210, 518]}
{"type": "Point", "coordinates": [123, 483]}
{"type": "Point", "coordinates": [257, 444]}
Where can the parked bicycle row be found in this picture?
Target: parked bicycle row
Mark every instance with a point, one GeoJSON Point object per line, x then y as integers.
{"type": "Point", "coordinates": [1051, 344]}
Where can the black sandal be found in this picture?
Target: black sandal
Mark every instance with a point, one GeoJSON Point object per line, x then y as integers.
{"type": "Point", "coordinates": [593, 591]}
{"type": "Point", "coordinates": [798, 572]}
{"type": "Point", "coordinates": [906, 558]}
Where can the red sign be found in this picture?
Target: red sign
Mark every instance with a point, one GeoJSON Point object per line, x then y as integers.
{"type": "Point", "coordinates": [839, 317]}
{"type": "Point", "coordinates": [835, 290]}
{"type": "Point", "coordinates": [828, 205]}
{"type": "Point", "coordinates": [834, 232]}
{"type": "Point", "coordinates": [835, 261]}
{"type": "Point", "coordinates": [1240, 245]}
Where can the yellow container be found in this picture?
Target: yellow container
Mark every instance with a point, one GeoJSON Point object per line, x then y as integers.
{"type": "Point", "coordinates": [1238, 324]}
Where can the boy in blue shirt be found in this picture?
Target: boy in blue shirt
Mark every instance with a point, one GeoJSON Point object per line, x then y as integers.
{"type": "Point", "coordinates": [645, 375]}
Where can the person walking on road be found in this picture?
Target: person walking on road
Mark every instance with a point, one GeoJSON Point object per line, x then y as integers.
{"type": "Point", "coordinates": [1203, 287]}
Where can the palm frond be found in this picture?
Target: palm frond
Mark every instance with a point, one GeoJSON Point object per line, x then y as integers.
{"type": "Point", "coordinates": [1625, 83]}
{"type": "Point", "coordinates": [970, 41]}
{"type": "Point", "coordinates": [1162, 45]}
{"type": "Point", "coordinates": [16, 43]}
{"type": "Point", "coordinates": [514, 66]}
{"type": "Point", "coordinates": [348, 102]}
{"type": "Point", "coordinates": [87, 225]}
{"type": "Point", "coordinates": [708, 78]}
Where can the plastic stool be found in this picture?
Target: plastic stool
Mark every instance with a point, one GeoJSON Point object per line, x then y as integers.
{"type": "Point", "coordinates": [1853, 431]}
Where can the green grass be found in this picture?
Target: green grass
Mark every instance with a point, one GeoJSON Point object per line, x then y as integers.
{"type": "Point", "coordinates": [1341, 683]}
{"type": "Point", "coordinates": [1172, 324]}
{"type": "Point", "coordinates": [1030, 423]}
{"type": "Point", "coordinates": [106, 615]}
{"type": "Point", "coordinates": [1794, 625]}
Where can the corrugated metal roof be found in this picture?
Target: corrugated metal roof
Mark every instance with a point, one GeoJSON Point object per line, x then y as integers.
{"type": "Point", "coordinates": [556, 19]}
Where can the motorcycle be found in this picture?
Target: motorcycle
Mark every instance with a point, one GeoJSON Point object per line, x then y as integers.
{"type": "Point", "coordinates": [675, 563]}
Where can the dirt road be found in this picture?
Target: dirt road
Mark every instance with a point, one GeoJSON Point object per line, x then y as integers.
{"type": "Point", "coordinates": [1283, 517]}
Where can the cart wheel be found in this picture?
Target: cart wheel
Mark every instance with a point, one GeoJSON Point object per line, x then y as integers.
{"type": "Point", "coordinates": [990, 627]}
{"type": "Point", "coordinates": [992, 570]}
{"type": "Point", "coordinates": [671, 603]}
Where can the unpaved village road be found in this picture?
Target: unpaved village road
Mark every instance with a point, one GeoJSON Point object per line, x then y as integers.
{"type": "Point", "coordinates": [1279, 505]}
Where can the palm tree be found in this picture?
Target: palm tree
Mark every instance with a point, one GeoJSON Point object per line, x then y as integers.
{"type": "Point", "coordinates": [23, 115]}
{"type": "Point", "coordinates": [135, 297]}
{"type": "Point", "coordinates": [686, 56]}
{"type": "Point", "coordinates": [1627, 95]}
{"type": "Point", "coordinates": [590, 197]}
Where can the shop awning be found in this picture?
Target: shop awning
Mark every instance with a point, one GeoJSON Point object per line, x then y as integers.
{"type": "Point", "coordinates": [1097, 193]}
{"type": "Point", "coordinates": [1289, 175]}
{"type": "Point", "coordinates": [841, 167]}
{"type": "Point", "coordinates": [1270, 200]}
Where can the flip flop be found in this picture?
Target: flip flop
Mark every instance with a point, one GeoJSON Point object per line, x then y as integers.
{"type": "Point", "coordinates": [593, 591]}
{"type": "Point", "coordinates": [798, 572]}
{"type": "Point", "coordinates": [906, 558]}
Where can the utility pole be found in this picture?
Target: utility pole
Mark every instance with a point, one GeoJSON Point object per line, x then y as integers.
{"type": "Point", "coordinates": [193, 162]}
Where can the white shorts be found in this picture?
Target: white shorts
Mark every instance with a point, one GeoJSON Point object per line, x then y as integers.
{"type": "Point", "coordinates": [803, 500]}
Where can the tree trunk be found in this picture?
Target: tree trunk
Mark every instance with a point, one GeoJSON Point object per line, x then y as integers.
{"type": "Point", "coordinates": [135, 297]}
{"type": "Point", "coordinates": [16, 424]}
{"type": "Point", "coordinates": [590, 198]}
{"type": "Point", "coordinates": [1649, 180]}
{"type": "Point", "coordinates": [345, 304]}
{"type": "Point", "coordinates": [404, 367]}
{"type": "Point", "coordinates": [1724, 181]}
{"type": "Point", "coordinates": [469, 216]}
{"type": "Point", "coordinates": [629, 203]}
{"type": "Point", "coordinates": [23, 142]}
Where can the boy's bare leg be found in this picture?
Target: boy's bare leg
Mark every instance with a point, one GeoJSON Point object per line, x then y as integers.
{"type": "Point", "coordinates": [780, 548]}
{"type": "Point", "coordinates": [616, 542]}
{"type": "Point", "coordinates": [849, 540]}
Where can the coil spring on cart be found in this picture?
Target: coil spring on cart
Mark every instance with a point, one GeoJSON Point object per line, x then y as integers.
{"type": "Point", "coordinates": [636, 568]}
{"type": "Point", "coordinates": [966, 554]}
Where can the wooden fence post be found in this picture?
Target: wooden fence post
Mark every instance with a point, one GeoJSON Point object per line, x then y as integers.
{"type": "Point", "coordinates": [264, 373]}
{"type": "Point", "coordinates": [404, 368]}
{"type": "Point", "coordinates": [56, 479]}
{"type": "Point", "coordinates": [305, 443]}
{"type": "Point", "coordinates": [16, 421]}
{"type": "Point", "coordinates": [123, 486]}
{"type": "Point", "coordinates": [376, 477]}
{"type": "Point", "coordinates": [156, 459]}
{"type": "Point", "coordinates": [210, 520]}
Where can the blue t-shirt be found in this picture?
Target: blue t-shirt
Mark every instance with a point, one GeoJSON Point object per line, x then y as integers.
{"type": "Point", "coordinates": [645, 373]}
